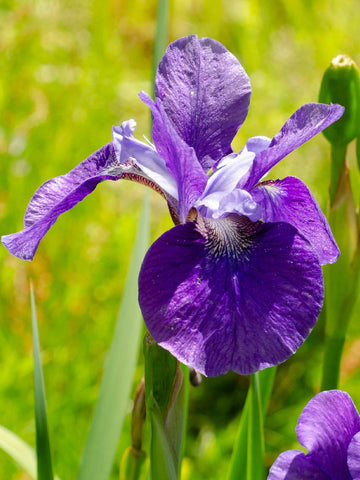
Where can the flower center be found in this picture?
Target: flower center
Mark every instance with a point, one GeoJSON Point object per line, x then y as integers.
{"type": "Point", "coordinates": [231, 236]}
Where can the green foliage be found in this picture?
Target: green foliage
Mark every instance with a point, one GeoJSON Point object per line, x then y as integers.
{"type": "Point", "coordinates": [247, 453]}
{"type": "Point", "coordinates": [43, 453]}
{"type": "Point", "coordinates": [111, 406]}
{"type": "Point", "coordinates": [69, 71]}
{"type": "Point", "coordinates": [19, 451]}
{"type": "Point", "coordinates": [341, 84]}
{"type": "Point", "coordinates": [164, 392]}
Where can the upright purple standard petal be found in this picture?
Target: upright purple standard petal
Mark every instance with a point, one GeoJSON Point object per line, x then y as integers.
{"type": "Point", "coordinates": [55, 197]}
{"type": "Point", "coordinates": [290, 200]}
{"type": "Point", "coordinates": [325, 427]}
{"type": "Point", "coordinates": [180, 159]}
{"type": "Point", "coordinates": [305, 123]}
{"type": "Point", "coordinates": [230, 294]}
{"type": "Point", "coordinates": [206, 94]}
{"type": "Point", "coordinates": [295, 465]}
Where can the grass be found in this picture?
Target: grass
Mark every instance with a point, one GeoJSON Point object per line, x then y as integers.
{"type": "Point", "coordinates": [71, 70]}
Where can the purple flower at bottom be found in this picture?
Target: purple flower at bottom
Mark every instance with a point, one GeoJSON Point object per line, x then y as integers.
{"type": "Point", "coordinates": [237, 283]}
{"type": "Point", "coordinates": [329, 428]}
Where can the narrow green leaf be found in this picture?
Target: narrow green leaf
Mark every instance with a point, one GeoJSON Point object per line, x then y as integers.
{"type": "Point", "coordinates": [186, 383]}
{"type": "Point", "coordinates": [341, 278]}
{"type": "Point", "coordinates": [20, 451]}
{"type": "Point", "coordinates": [162, 461]}
{"type": "Point", "coordinates": [132, 464]}
{"type": "Point", "coordinates": [238, 464]}
{"type": "Point", "coordinates": [255, 451]}
{"type": "Point", "coordinates": [160, 40]}
{"type": "Point", "coordinates": [44, 465]}
{"type": "Point", "coordinates": [165, 399]}
{"type": "Point", "coordinates": [105, 429]}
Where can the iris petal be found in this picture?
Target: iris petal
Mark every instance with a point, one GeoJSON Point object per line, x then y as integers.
{"type": "Point", "coordinates": [206, 94]}
{"type": "Point", "coordinates": [145, 156]}
{"type": "Point", "coordinates": [295, 465]}
{"type": "Point", "coordinates": [55, 197]}
{"type": "Point", "coordinates": [230, 294]}
{"type": "Point", "coordinates": [290, 200]}
{"type": "Point", "coordinates": [354, 457]}
{"type": "Point", "coordinates": [307, 121]}
{"type": "Point", "coordinates": [180, 159]}
{"type": "Point", "coordinates": [325, 427]}
{"type": "Point", "coordinates": [229, 172]}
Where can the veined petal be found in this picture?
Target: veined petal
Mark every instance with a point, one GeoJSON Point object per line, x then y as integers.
{"type": "Point", "coordinates": [206, 94]}
{"type": "Point", "coordinates": [325, 427]}
{"type": "Point", "coordinates": [55, 197]}
{"type": "Point", "coordinates": [290, 200]}
{"type": "Point", "coordinates": [219, 197]}
{"type": "Point", "coordinates": [295, 465]}
{"type": "Point", "coordinates": [307, 121]}
{"type": "Point", "coordinates": [180, 159]}
{"type": "Point", "coordinates": [145, 156]}
{"type": "Point", "coordinates": [218, 205]}
{"type": "Point", "coordinates": [228, 173]}
{"type": "Point", "coordinates": [230, 294]}
{"type": "Point", "coordinates": [257, 144]}
{"type": "Point", "coordinates": [353, 460]}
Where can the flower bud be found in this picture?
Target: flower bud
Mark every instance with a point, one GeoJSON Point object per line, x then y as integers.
{"type": "Point", "coordinates": [341, 84]}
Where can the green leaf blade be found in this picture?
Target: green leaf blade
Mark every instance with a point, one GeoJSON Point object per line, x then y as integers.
{"type": "Point", "coordinates": [239, 461]}
{"type": "Point", "coordinates": [44, 463]}
{"type": "Point", "coordinates": [19, 451]}
{"type": "Point", "coordinates": [99, 452]}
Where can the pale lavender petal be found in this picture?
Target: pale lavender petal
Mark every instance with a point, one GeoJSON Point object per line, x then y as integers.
{"type": "Point", "coordinates": [240, 202]}
{"type": "Point", "coordinates": [229, 172]}
{"type": "Point", "coordinates": [295, 465]}
{"type": "Point", "coordinates": [206, 94]}
{"type": "Point", "coordinates": [218, 205]}
{"type": "Point", "coordinates": [325, 427]}
{"type": "Point", "coordinates": [218, 197]}
{"type": "Point", "coordinates": [55, 197]}
{"type": "Point", "coordinates": [257, 144]}
{"type": "Point", "coordinates": [353, 460]}
{"type": "Point", "coordinates": [290, 200]}
{"type": "Point", "coordinates": [307, 121]}
{"type": "Point", "coordinates": [145, 157]}
{"type": "Point", "coordinates": [180, 159]}
{"type": "Point", "coordinates": [230, 294]}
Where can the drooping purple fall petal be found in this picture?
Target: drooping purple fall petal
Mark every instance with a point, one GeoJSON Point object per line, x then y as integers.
{"type": "Point", "coordinates": [354, 457]}
{"type": "Point", "coordinates": [230, 294]}
{"type": "Point", "coordinates": [290, 200]}
{"type": "Point", "coordinates": [305, 123]}
{"type": "Point", "coordinates": [55, 197]}
{"type": "Point", "coordinates": [329, 428]}
{"type": "Point", "coordinates": [325, 428]}
{"type": "Point", "coordinates": [295, 465]}
{"type": "Point", "coordinates": [206, 94]}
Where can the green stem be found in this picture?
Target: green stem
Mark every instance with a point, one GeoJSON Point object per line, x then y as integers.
{"type": "Point", "coordinates": [332, 359]}
{"type": "Point", "coordinates": [132, 464]}
{"type": "Point", "coordinates": [186, 383]}
{"type": "Point", "coordinates": [160, 34]}
{"type": "Point", "coordinates": [338, 153]}
{"type": "Point", "coordinates": [238, 464]}
{"type": "Point", "coordinates": [255, 456]}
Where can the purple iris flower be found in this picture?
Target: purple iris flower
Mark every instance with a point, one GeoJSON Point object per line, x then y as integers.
{"type": "Point", "coordinates": [237, 283]}
{"type": "Point", "coordinates": [329, 428]}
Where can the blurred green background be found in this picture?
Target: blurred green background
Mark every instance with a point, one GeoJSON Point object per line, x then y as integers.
{"type": "Point", "coordinates": [72, 69]}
